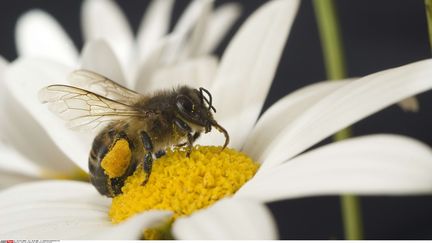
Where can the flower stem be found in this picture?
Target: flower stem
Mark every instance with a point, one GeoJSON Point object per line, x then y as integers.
{"type": "Point", "coordinates": [428, 6]}
{"type": "Point", "coordinates": [352, 217]}
{"type": "Point", "coordinates": [331, 40]}
{"type": "Point", "coordinates": [334, 60]}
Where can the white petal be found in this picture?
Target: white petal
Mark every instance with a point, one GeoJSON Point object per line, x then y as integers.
{"type": "Point", "coordinates": [154, 25]}
{"type": "Point", "coordinates": [169, 49]}
{"type": "Point", "coordinates": [103, 19]}
{"type": "Point", "coordinates": [3, 92]}
{"type": "Point", "coordinates": [52, 210]}
{"type": "Point", "coordinates": [155, 59]}
{"type": "Point", "coordinates": [3, 64]}
{"type": "Point", "coordinates": [21, 131]}
{"type": "Point", "coordinates": [283, 112]}
{"type": "Point", "coordinates": [38, 34]}
{"type": "Point", "coordinates": [12, 161]}
{"type": "Point", "coordinates": [193, 41]}
{"type": "Point", "coordinates": [249, 64]}
{"type": "Point", "coordinates": [15, 168]}
{"type": "Point", "coordinates": [191, 15]}
{"type": "Point", "coordinates": [65, 210]}
{"type": "Point", "coordinates": [410, 104]}
{"type": "Point", "coordinates": [189, 28]}
{"type": "Point", "coordinates": [133, 228]}
{"type": "Point", "coordinates": [53, 191]}
{"type": "Point", "coordinates": [228, 219]}
{"type": "Point", "coordinates": [9, 178]}
{"type": "Point", "coordinates": [347, 105]}
{"type": "Point", "coordinates": [98, 57]}
{"type": "Point", "coordinates": [24, 80]}
{"type": "Point", "coordinates": [370, 165]}
{"type": "Point", "coordinates": [194, 73]}
{"type": "Point", "coordinates": [220, 22]}
{"type": "Point", "coordinates": [18, 126]}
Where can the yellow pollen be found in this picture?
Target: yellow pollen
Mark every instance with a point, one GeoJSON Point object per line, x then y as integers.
{"type": "Point", "coordinates": [117, 160]}
{"type": "Point", "coordinates": [184, 184]}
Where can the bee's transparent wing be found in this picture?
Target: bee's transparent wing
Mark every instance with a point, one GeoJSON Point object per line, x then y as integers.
{"type": "Point", "coordinates": [103, 86]}
{"type": "Point", "coordinates": [85, 109]}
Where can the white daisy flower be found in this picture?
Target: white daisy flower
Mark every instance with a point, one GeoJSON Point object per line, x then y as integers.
{"type": "Point", "coordinates": [380, 164]}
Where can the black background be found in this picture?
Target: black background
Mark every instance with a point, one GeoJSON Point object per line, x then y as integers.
{"type": "Point", "coordinates": [377, 35]}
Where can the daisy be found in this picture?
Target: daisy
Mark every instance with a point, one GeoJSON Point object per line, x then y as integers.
{"type": "Point", "coordinates": [39, 36]}
{"type": "Point", "coordinates": [382, 164]}
{"type": "Point", "coordinates": [108, 38]}
{"type": "Point", "coordinates": [379, 164]}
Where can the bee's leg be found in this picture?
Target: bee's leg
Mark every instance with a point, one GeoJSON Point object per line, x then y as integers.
{"type": "Point", "coordinates": [189, 144]}
{"type": "Point", "coordinates": [148, 157]}
{"type": "Point", "coordinates": [160, 153]}
{"type": "Point", "coordinates": [185, 128]}
{"type": "Point", "coordinates": [191, 140]}
{"type": "Point", "coordinates": [148, 164]}
{"type": "Point", "coordinates": [195, 136]}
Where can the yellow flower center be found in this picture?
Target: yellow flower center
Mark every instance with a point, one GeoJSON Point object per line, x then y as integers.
{"type": "Point", "coordinates": [184, 184]}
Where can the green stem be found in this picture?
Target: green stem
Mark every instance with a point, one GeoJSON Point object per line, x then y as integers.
{"type": "Point", "coordinates": [334, 60]}
{"type": "Point", "coordinates": [352, 217]}
{"type": "Point", "coordinates": [331, 40]}
{"type": "Point", "coordinates": [428, 6]}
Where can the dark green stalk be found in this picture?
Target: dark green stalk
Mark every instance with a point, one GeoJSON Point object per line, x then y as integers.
{"type": "Point", "coordinates": [428, 6]}
{"type": "Point", "coordinates": [334, 60]}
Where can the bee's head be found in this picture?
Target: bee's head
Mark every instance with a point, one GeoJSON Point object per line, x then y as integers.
{"type": "Point", "coordinates": [195, 106]}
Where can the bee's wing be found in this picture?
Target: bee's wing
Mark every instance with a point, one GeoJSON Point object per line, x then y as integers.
{"type": "Point", "coordinates": [85, 109]}
{"type": "Point", "coordinates": [103, 86]}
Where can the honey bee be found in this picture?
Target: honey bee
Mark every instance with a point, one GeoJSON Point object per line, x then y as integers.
{"type": "Point", "coordinates": [145, 125]}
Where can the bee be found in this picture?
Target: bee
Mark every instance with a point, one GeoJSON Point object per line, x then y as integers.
{"type": "Point", "coordinates": [138, 127]}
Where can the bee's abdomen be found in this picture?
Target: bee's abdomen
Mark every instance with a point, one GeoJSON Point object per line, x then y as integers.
{"type": "Point", "coordinates": [111, 161]}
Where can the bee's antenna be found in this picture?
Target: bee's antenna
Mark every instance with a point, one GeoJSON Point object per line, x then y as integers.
{"type": "Point", "coordinates": [209, 100]}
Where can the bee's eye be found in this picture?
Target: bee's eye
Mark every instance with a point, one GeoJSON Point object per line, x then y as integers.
{"type": "Point", "coordinates": [184, 104]}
